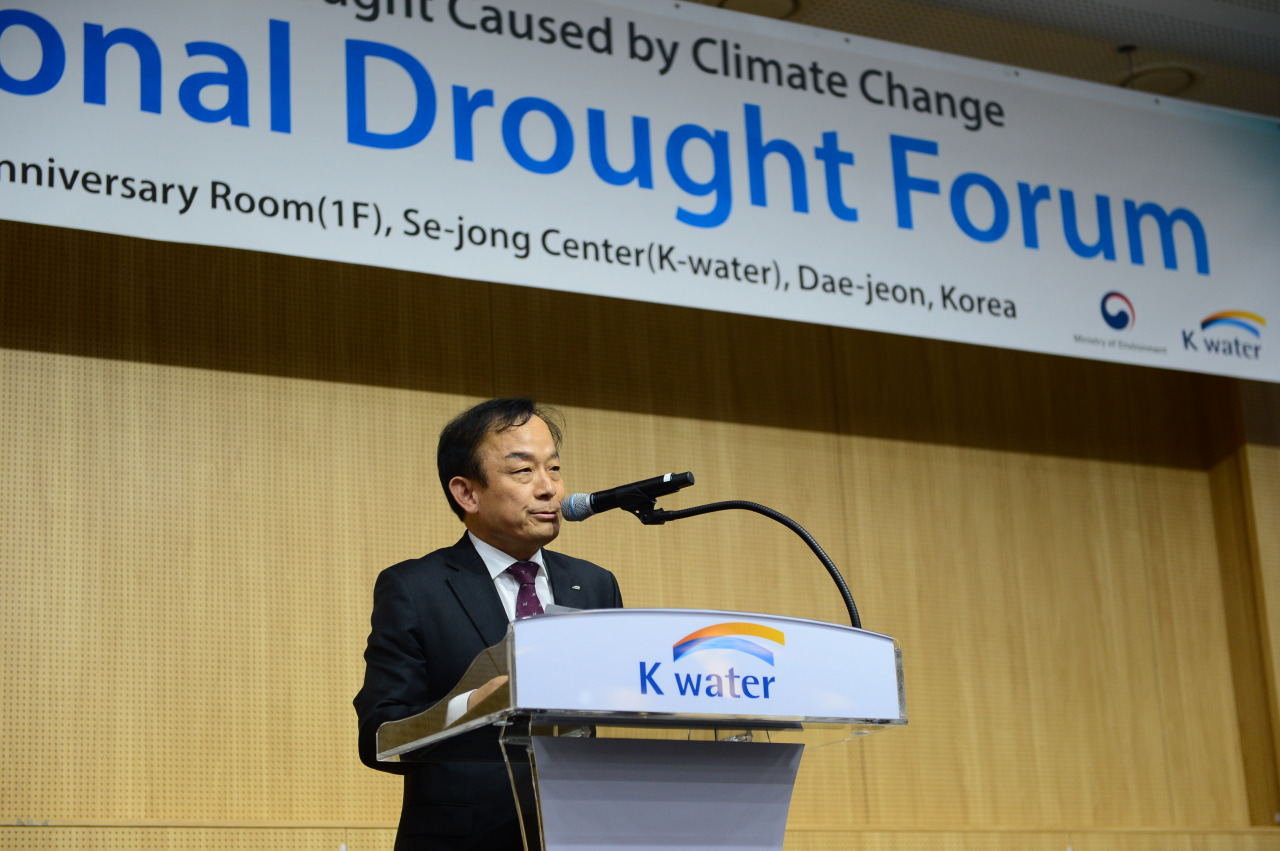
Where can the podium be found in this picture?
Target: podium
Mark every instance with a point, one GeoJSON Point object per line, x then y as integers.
{"type": "Point", "coordinates": [665, 728]}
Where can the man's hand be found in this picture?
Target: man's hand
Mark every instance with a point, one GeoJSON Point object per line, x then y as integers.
{"type": "Point", "coordinates": [484, 691]}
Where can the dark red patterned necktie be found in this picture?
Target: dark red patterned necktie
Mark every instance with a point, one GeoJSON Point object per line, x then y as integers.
{"type": "Point", "coordinates": [527, 602]}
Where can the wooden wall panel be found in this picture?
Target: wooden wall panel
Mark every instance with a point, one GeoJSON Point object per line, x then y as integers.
{"type": "Point", "coordinates": [1031, 841]}
{"type": "Point", "coordinates": [208, 456]}
{"type": "Point", "coordinates": [1242, 581]}
{"type": "Point", "coordinates": [198, 552]}
{"type": "Point", "coordinates": [1259, 463]}
{"type": "Point", "coordinates": [1037, 653]}
{"type": "Point", "coordinates": [247, 838]}
{"type": "Point", "coordinates": [186, 838]}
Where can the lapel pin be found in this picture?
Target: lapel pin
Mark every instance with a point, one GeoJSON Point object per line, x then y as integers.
{"type": "Point", "coordinates": [577, 587]}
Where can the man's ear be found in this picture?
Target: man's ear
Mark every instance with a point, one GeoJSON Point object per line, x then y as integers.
{"type": "Point", "coordinates": [464, 493]}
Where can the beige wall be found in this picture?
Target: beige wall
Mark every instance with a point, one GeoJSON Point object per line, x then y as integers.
{"type": "Point", "coordinates": [209, 454]}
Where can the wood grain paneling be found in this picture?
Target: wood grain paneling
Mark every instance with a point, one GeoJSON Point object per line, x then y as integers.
{"type": "Point", "coordinates": [208, 455]}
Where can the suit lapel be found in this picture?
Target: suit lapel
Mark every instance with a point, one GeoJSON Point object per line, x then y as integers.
{"type": "Point", "coordinates": [473, 587]}
{"type": "Point", "coordinates": [566, 583]}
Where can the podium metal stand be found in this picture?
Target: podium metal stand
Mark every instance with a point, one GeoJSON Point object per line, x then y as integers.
{"type": "Point", "coordinates": [666, 728]}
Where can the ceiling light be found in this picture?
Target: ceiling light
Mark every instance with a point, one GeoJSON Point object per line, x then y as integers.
{"type": "Point", "coordinates": [1162, 78]}
{"type": "Point", "coordinates": [1158, 78]}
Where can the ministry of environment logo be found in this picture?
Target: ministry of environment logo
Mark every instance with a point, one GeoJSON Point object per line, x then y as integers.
{"type": "Point", "coordinates": [729, 636]}
{"type": "Point", "coordinates": [1117, 311]}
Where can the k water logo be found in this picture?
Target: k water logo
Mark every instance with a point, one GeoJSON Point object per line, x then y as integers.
{"type": "Point", "coordinates": [728, 636]}
{"type": "Point", "coordinates": [1220, 334]}
{"type": "Point", "coordinates": [1117, 311]}
{"type": "Point", "coordinates": [712, 679]}
{"type": "Point", "coordinates": [1234, 318]}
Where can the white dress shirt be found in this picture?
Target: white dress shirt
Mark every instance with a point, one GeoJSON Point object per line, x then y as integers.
{"type": "Point", "coordinates": [497, 562]}
{"type": "Point", "coordinates": [508, 586]}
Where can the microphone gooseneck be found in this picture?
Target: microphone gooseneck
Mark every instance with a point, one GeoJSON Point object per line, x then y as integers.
{"type": "Point", "coordinates": [657, 516]}
{"type": "Point", "coordinates": [640, 499]}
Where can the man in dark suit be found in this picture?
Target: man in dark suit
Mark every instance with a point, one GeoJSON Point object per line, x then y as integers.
{"type": "Point", "coordinates": [499, 465]}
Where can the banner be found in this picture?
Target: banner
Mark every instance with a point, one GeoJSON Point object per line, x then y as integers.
{"type": "Point", "coordinates": [665, 153]}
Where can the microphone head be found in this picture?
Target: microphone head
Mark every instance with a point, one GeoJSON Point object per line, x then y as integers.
{"type": "Point", "coordinates": [576, 507]}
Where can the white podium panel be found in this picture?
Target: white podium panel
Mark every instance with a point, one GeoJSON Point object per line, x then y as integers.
{"type": "Point", "coordinates": [704, 663]}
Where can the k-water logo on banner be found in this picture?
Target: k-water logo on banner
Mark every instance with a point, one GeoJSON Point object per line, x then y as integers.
{"type": "Point", "coordinates": [1220, 335]}
{"type": "Point", "coordinates": [718, 675]}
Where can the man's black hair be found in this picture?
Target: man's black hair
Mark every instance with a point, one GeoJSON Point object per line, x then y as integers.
{"type": "Point", "coordinates": [458, 452]}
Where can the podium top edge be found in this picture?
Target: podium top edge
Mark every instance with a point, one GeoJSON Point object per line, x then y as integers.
{"type": "Point", "coordinates": [715, 613]}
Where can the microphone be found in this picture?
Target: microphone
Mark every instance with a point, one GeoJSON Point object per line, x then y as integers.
{"type": "Point", "coordinates": [637, 495]}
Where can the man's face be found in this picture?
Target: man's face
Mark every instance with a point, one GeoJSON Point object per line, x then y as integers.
{"type": "Point", "coordinates": [518, 509]}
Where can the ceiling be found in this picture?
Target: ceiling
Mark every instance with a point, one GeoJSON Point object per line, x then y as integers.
{"type": "Point", "coordinates": [1227, 50]}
